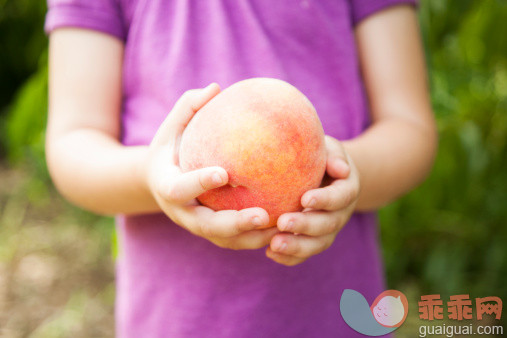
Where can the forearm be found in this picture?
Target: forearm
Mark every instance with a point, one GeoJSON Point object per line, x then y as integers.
{"type": "Point", "coordinates": [392, 156]}
{"type": "Point", "coordinates": [94, 171]}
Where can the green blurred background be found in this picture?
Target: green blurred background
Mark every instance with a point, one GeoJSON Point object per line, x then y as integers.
{"type": "Point", "coordinates": [449, 236]}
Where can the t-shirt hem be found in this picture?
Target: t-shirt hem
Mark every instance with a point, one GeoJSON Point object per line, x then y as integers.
{"type": "Point", "coordinates": [64, 16]}
{"type": "Point", "coordinates": [376, 6]}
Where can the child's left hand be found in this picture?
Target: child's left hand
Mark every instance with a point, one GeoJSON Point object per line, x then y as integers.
{"type": "Point", "coordinates": [327, 210]}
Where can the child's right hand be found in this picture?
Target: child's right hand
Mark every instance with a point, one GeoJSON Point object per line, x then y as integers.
{"type": "Point", "coordinates": [176, 192]}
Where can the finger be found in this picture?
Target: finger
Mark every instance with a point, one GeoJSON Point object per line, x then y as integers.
{"type": "Point", "coordinates": [337, 167]}
{"type": "Point", "coordinates": [284, 259]}
{"type": "Point", "coordinates": [249, 240]}
{"type": "Point", "coordinates": [313, 223]}
{"type": "Point", "coordinates": [337, 162]}
{"type": "Point", "coordinates": [225, 223]}
{"type": "Point", "coordinates": [183, 111]}
{"type": "Point", "coordinates": [187, 186]}
{"type": "Point", "coordinates": [340, 194]}
{"type": "Point", "coordinates": [300, 245]}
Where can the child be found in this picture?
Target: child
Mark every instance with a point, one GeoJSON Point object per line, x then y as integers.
{"type": "Point", "coordinates": [118, 69]}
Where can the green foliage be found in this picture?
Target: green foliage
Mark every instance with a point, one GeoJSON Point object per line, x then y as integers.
{"type": "Point", "coordinates": [27, 119]}
{"type": "Point", "coordinates": [21, 42]}
{"type": "Point", "coordinates": [449, 236]}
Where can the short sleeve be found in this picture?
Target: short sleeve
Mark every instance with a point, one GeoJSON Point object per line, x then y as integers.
{"type": "Point", "coordinates": [363, 8]}
{"type": "Point", "coordinates": [100, 15]}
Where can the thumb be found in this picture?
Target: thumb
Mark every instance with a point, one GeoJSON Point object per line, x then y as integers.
{"type": "Point", "coordinates": [187, 186]}
{"type": "Point", "coordinates": [337, 165]}
{"type": "Point", "coordinates": [183, 111]}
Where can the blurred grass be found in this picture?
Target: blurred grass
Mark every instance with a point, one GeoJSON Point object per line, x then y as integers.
{"type": "Point", "coordinates": [449, 236]}
{"type": "Point", "coordinates": [56, 271]}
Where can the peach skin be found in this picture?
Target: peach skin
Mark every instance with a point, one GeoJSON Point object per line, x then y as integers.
{"type": "Point", "coordinates": [268, 137]}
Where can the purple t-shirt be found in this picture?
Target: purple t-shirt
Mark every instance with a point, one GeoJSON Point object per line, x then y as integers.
{"type": "Point", "coordinates": [171, 283]}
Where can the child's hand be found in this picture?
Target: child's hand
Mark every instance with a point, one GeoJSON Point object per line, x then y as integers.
{"type": "Point", "coordinates": [175, 191]}
{"type": "Point", "coordinates": [327, 209]}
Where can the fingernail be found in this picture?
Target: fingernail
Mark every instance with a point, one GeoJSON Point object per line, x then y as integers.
{"type": "Point", "coordinates": [282, 246]}
{"type": "Point", "coordinates": [216, 178]}
{"type": "Point", "coordinates": [312, 202]}
{"type": "Point", "coordinates": [256, 221]}
{"type": "Point", "coordinates": [289, 226]}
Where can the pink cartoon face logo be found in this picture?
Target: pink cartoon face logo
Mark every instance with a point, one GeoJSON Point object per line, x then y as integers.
{"type": "Point", "coordinates": [390, 308]}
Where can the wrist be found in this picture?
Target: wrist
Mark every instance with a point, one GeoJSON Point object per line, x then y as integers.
{"type": "Point", "coordinates": [142, 172]}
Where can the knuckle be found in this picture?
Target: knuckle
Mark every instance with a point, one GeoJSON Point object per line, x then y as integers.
{"type": "Point", "coordinates": [172, 193]}
{"type": "Point", "coordinates": [303, 225]}
{"type": "Point", "coordinates": [202, 181]}
{"type": "Point", "coordinates": [330, 225]}
{"type": "Point", "coordinates": [240, 222]}
{"type": "Point", "coordinates": [333, 202]}
{"type": "Point", "coordinates": [206, 230]}
{"type": "Point", "coordinates": [353, 194]}
{"type": "Point", "coordinates": [294, 248]}
{"type": "Point", "coordinates": [328, 199]}
{"type": "Point", "coordinates": [349, 196]}
{"type": "Point", "coordinates": [236, 226]}
{"type": "Point", "coordinates": [339, 222]}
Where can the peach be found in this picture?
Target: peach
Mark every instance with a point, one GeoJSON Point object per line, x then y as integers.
{"type": "Point", "coordinates": [267, 136]}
